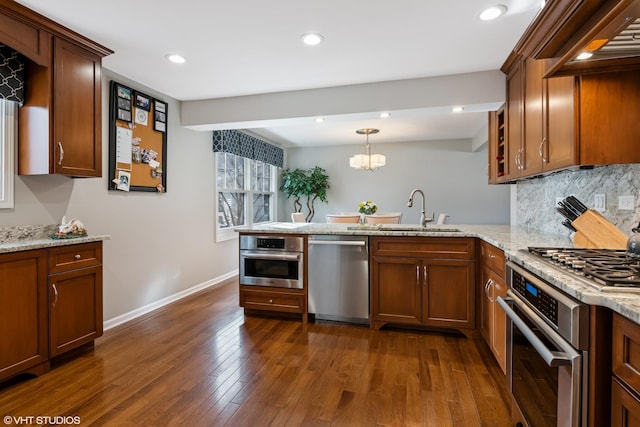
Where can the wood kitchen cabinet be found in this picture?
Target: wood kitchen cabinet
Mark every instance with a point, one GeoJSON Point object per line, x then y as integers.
{"type": "Point", "coordinates": [497, 145]}
{"type": "Point", "coordinates": [50, 303]}
{"type": "Point", "coordinates": [583, 118]}
{"type": "Point", "coordinates": [23, 313]}
{"type": "Point", "coordinates": [625, 385]}
{"type": "Point", "coordinates": [549, 117]}
{"type": "Point", "coordinates": [60, 122]}
{"type": "Point", "coordinates": [423, 281]}
{"type": "Point", "coordinates": [493, 320]}
{"type": "Point", "coordinates": [283, 300]}
{"type": "Point", "coordinates": [514, 122]}
{"type": "Point", "coordinates": [75, 296]}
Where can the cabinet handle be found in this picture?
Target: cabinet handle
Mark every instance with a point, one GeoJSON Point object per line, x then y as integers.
{"type": "Point", "coordinates": [61, 153]}
{"type": "Point", "coordinates": [424, 273]}
{"type": "Point", "coordinates": [541, 150]}
{"type": "Point", "coordinates": [491, 256]}
{"type": "Point", "coordinates": [487, 287]}
{"type": "Point", "coordinates": [77, 256]}
{"type": "Point", "coordinates": [55, 294]}
{"type": "Point", "coordinates": [270, 301]}
{"type": "Point", "coordinates": [418, 275]}
{"type": "Point", "coordinates": [545, 147]}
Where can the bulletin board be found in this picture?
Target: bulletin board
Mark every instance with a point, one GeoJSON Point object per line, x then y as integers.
{"type": "Point", "coordinates": [137, 140]}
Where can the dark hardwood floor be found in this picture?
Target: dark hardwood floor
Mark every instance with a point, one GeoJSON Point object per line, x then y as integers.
{"type": "Point", "coordinates": [200, 362]}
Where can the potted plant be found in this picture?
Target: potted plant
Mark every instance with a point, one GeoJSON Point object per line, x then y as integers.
{"type": "Point", "coordinates": [311, 183]}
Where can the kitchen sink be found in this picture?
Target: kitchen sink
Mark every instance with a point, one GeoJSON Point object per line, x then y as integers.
{"type": "Point", "coordinates": [404, 227]}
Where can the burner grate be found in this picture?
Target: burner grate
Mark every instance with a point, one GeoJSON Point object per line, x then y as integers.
{"type": "Point", "coordinates": [607, 267]}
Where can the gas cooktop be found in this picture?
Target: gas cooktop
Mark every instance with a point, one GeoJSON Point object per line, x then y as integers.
{"type": "Point", "coordinates": [603, 269]}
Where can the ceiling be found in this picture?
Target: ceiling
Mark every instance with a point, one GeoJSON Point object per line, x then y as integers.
{"type": "Point", "coordinates": [248, 47]}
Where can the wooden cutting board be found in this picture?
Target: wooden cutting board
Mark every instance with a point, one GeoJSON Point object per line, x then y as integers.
{"type": "Point", "coordinates": [595, 231]}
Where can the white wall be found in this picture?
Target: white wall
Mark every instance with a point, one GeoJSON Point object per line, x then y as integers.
{"type": "Point", "coordinates": [453, 178]}
{"type": "Point", "coordinates": [160, 244]}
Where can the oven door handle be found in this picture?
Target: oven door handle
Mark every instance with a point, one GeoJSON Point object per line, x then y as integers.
{"type": "Point", "coordinates": [276, 257]}
{"type": "Point", "coordinates": [552, 358]}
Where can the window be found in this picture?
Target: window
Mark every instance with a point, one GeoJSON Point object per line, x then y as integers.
{"type": "Point", "coordinates": [245, 193]}
{"type": "Point", "coordinates": [8, 135]}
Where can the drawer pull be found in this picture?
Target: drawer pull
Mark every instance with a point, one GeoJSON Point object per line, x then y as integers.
{"type": "Point", "coordinates": [55, 294]}
{"type": "Point", "coordinates": [77, 256]}
{"type": "Point", "coordinates": [270, 301]}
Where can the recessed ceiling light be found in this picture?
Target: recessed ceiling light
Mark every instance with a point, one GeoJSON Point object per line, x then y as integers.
{"type": "Point", "coordinates": [493, 12]}
{"type": "Point", "coordinates": [584, 55]}
{"type": "Point", "coordinates": [175, 58]}
{"type": "Point", "coordinates": [319, 120]}
{"type": "Point", "coordinates": [457, 109]}
{"type": "Point", "coordinates": [312, 39]}
{"type": "Point", "coordinates": [385, 115]}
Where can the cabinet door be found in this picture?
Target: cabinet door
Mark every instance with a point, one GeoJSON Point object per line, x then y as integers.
{"type": "Point", "coordinates": [23, 311]}
{"type": "Point", "coordinates": [625, 408]}
{"type": "Point", "coordinates": [514, 155]}
{"type": "Point", "coordinates": [75, 308]}
{"type": "Point", "coordinates": [396, 294]}
{"type": "Point", "coordinates": [534, 138]}
{"type": "Point", "coordinates": [76, 111]}
{"type": "Point", "coordinates": [486, 306]}
{"type": "Point", "coordinates": [449, 293]}
{"type": "Point", "coordinates": [560, 150]}
{"type": "Point", "coordinates": [499, 343]}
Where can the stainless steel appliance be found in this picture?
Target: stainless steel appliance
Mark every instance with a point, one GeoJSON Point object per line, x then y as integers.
{"type": "Point", "coordinates": [547, 353]}
{"type": "Point", "coordinates": [275, 261]}
{"type": "Point", "coordinates": [606, 270]}
{"type": "Point", "coordinates": [339, 278]}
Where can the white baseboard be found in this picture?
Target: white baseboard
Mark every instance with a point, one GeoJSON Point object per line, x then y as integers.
{"type": "Point", "coordinates": [111, 323]}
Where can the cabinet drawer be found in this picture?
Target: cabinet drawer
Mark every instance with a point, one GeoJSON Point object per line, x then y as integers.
{"type": "Point", "coordinates": [626, 351]}
{"type": "Point", "coordinates": [73, 257]}
{"type": "Point", "coordinates": [272, 301]}
{"type": "Point", "coordinates": [424, 247]}
{"type": "Point", "coordinates": [492, 257]}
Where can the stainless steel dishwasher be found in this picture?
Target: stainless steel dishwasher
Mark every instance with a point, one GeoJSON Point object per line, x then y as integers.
{"type": "Point", "coordinates": [338, 276]}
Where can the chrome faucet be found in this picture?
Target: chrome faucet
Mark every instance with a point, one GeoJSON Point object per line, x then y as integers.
{"type": "Point", "coordinates": [423, 217]}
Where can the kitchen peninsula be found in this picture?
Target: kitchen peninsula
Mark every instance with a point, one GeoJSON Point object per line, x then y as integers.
{"type": "Point", "coordinates": [471, 306]}
{"type": "Point", "coordinates": [514, 241]}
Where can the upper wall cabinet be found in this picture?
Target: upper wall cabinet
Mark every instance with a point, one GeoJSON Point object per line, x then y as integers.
{"type": "Point", "coordinates": [568, 121]}
{"type": "Point", "coordinates": [60, 121]}
{"type": "Point", "coordinates": [585, 36]}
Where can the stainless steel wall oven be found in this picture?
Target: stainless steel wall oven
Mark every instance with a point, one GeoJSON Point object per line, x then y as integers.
{"type": "Point", "coordinates": [272, 261]}
{"type": "Point", "coordinates": [547, 351]}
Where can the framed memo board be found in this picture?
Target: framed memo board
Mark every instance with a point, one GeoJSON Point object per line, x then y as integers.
{"type": "Point", "coordinates": [137, 140]}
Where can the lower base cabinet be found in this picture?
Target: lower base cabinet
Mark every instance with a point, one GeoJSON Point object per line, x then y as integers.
{"type": "Point", "coordinates": [50, 303]}
{"type": "Point", "coordinates": [433, 287]}
{"type": "Point", "coordinates": [625, 384]}
{"type": "Point", "coordinates": [23, 313]}
{"type": "Point", "coordinates": [625, 407]}
{"type": "Point", "coordinates": [272, 299]}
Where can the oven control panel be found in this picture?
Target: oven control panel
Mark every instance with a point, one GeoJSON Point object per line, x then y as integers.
{"type": "Point", "coordinates": [543, 302]}
{"type": "Point", "coordinates": [270, 243]}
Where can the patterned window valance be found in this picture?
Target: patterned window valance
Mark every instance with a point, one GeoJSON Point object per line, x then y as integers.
{"type": "Point", "coordinates": [11, 74]}
{"type": "Point", "coordinates": [241, 144]}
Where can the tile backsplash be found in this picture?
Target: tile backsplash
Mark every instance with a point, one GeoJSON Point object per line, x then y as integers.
{"type": "Point", "coordinates": [536, 198]}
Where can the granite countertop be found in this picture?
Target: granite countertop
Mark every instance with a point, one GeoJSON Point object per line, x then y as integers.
{"type": "Point", "coordinates": [24, 238]}
{"type": "Point", "coordinates": [513, 240]}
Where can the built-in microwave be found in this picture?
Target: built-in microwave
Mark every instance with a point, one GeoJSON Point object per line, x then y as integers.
{"type": "Point", "coordinates": [272, 261]}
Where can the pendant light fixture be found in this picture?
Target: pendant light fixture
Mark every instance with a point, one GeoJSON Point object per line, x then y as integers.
{"type": "Point", "coordinates": [367, 161]}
